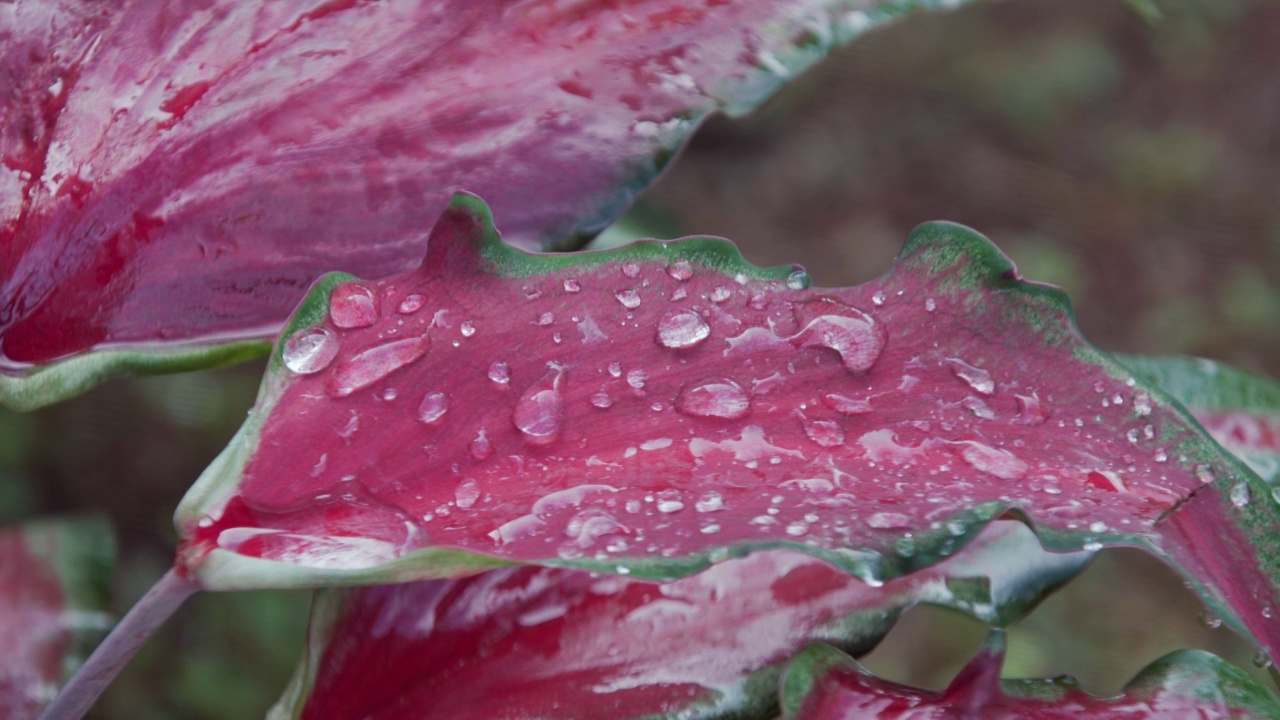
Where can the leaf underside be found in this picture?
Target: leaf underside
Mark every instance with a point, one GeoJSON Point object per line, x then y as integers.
{"type": "Point", "coordinates": [175, 176]}
{"type": "Point", "coordinates": [550, 642]}
{"type": "Point", "coordinates": [657, 408]}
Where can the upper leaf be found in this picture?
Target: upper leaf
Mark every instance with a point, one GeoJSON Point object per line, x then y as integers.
{"type": "Point", "coordinates": [659, 407]}
{"type": "Point", "coordinates": [175, 175]}
{"type": "Point", "coordinates": [53, 577]}
{"type": "Point", "coordinates": [825, 684]}
{"type": "Point", "coordinates": [547, 642]}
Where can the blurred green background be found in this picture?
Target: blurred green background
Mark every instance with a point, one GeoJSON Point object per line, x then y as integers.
{"type": "Point", "coordinates": [1133, 161]}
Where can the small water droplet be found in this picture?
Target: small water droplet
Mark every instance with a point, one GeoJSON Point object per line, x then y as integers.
{"type": "Point", "coordinates": [711, 529]}
{"type": "Point", "coordinates": [1132, 436]}
{"type": "Point", "coordinates": [1097, 527]}
{"type": "Point", "coordinates": [601, 400]}
{"type": "Point", "coordinates": [467, 328]}
{"type": "Point", "coordinates": [1092, 546]}
{"type": "Point", "coordinates": [681, 270]}
{"type": "Point", "coordinates": [682, 329]}
{"type": "Point", "coordinates": [467, 493]}
{"type": "Point", "coordinates": [846, 405]}
{"type": "Point", "coordinates": [630, 299]}
{"type": "Point", "coordinates": [798, 280]}
{"type": "Point", "coordinates": [615, 369]}
{"type": "Point", "coordinates": [538, 412]}
{"type": "Point", "coordinates": [352, 306]}
{"type": "Point", "coordinates": [710, 501]}
{"type": "Point", "coordinates": [976, 378]}
{"type": "Point", "coordinates": [930, 304]}
{"type": "Point", "coordinates": [1240, 495]}
{"type": "Point", "coordinates": [367, 367]}
{"type": "Point", "coordinates": [631, 270]}
{"type": "Point", "coordinates": [411, 304]}
{"type": "Point", "coordinates": [826, 433]}
{"type": "Point", "coordinates": [500, 373]}
{"type": "Point", "coordinates": [720, 294]}
{"type": "Point", "coordinates": [432, 408]}
{"type": "Point", "coordinates": [714, 397]}
{"type": "Point", "coordinates": [481, 447]}
{"type": "Point", "coordinates": [1261, 659]}
{"type": "Point", "coordinates": [797, 529]}
{"type": "Point", "coordinates": [546, 319]}
{"type": "Point", "coordinates": [888, 521]}
{"type": "Point", "coordinates": [670, 501]}
{"type": "Point", "coordinates": [1160, 455]}
{"type": "Point", "coordinates": [759, 301]}
{"type": "Point", "coordinates": [1205, 474]}
{"type": "Point", "coordinates": [1142, 404]}
{"type": "Point", "coordinates": [390, 394]}
{"type": "Point", "coordinates": [571, 285]}
{"type": "Point", "coordinates": [879, 298]}
{"type": "Point", "coordinates": [310, 350]}
{"type": "Point", "coordinates": [1209, 620]}
{"type": "Point", "coordinates": [636, 378]}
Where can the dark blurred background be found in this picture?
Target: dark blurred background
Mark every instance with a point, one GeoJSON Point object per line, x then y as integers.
{"type": "Point", "coordinates": [1134, 161]}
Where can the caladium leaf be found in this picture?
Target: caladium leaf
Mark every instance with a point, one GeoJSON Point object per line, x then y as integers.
{"type": "Point", "coordinates": [53, 580]}
{"type": "Point", "coordinates": [825, 684]}
{"type": "Point", "coordinates": [658, 407]}
{"type": "Point", "coordinates": [175, 175]}
{"type": "Point", "coordinates": [550, 642]}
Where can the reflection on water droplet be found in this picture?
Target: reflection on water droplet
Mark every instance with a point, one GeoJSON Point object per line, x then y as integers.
{"type": "Point", "coordinates": [571, 285]}
{"type": "Point", "coordinates": [1209, 620]}
{"type": "Point", "coordinates": [888, 521]}
{"type": "Point", "coordinates": [681, 270]}
{"type": "Point", "coordinates": [1160, 455]}
{"type": "Point", "coordinates": [310, 350]}
{"type": "Point", "coordinates": [630, 299]}
{"type": "Point", "coordinates": [352, 306]}
{"type": "Point", "coordinates": [714, 397]}
{"type": "Point", "coordinates": [411, 304]}
{"type": "Point", "coordinates": [500, 373]}
{"type": "Point", "coordinates": [467, 329]}
{"type": "Point", "coordinates": [585, 528]}
{"type": "Point", "coordinates": [993, 461]}
{"type": "Point", "coordinates": [720, 294]}
{"type": "Point", "coordinates": [631, 270]}
{"type": "Point", "coordinates": [433, 407]}
{"type": "Point", "coordinates": [481, 448]}
{"type": "Point", "coordinates": [637, 378]}
{"type": "Point", "coordinates": [878, 298]}
{"type": "Point", "coordinates": [1261, 659]}
{"type": "Point", "coordinates": [798, 280]}
{"type": "Point", "coordinates": [1097, 527]}
{"type": "Point", "coordinates": [538, 412]}
{"type": "Point", "coordinates": [826, 433]}
{"type": "Point", "coordinates": [846, 405]}
{"type": "Point", "coordinates": [976, 378]}
{"type": "Point", "coordinates": [850, 332]}
{"type": "Point", "coordinates": [711, 501]}
{"type": "Point", "coordinates": [930, 304]}
{"type": "Point", "coordinates": [601, 400]}
{"type": "Point", "coordinates": [1142, 404]}
{"type": "Point", "coordinates": [467, 493]}
{"type": "Point", "coordinates": [615, 369]}
{"type": "Point", "coordinates": [682, 329]}
{"type": "Point", "coordinates": [1240, 494]}
{"type": "Point", "coordinates": [374, 364]}
{"type": "Point", "coordinates": [670, 501]}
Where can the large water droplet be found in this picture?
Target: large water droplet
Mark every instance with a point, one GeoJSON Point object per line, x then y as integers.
{"type": "Point", "coordinates": [538, 412]}
{"type": "Point", "coordinates": [1001, 463]}
{"type": "Point", "coordinates": [433, 407]}
{"type": "Point", "coordinates": [714, 397]}
{"type": "Point", "coordinates": [975, 377]}
{"type": "Point", "coordinates": [798, 280]}
{"type": "Point", "coordinates": [467, 493]}
{"type": "Point", "coordinates": [500, 373]}
{"type": "Point", "coordinates": [411, 304]}
{"type": "Point", "coordinates": [352, 306]}
{"type": "Point", "coordinates": [682, 329]}
{"type": "Point", "coordinates": [374, 364]}
{"type": "Point", "coordinates": [850, 332]}
{"type": "Point", "coordinates": [310, 350]}
{"type": "Point", "coordinates": [630, 299]}
{"type": "Point", "coordinates": [681, 270]}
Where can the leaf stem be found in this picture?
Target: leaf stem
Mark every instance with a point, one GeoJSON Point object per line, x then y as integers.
{"type": "Point", "coordinates": [124, 640]}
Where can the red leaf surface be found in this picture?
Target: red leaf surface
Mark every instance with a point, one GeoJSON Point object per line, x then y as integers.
{"type": "Point", "coordinates": [548, 642]}
{"type": "Point", "coordinates": [825, 684]}
{"type": "Point", "coordinates": [178, 173]}
{"type": "Point", "coordinates": [654, 408]}
{"type": "Point", "coordinates": [47, 574]}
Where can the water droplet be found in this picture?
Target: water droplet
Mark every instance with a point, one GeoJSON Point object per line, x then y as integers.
{"type": "Point", "coordinates": [670, 501]}
{"type": "Point", "coordinates": [978, 408]}
{"type": "Point", "coordinates": [467, 329]}
{"type": "Point", "coordinates": [720, 294]}
{"type": "Point", "coordinates": [1097, 527]}
{"type": "Point", "coordinates": [500, 373]}
{"type": "Point", "coordinates": [374, 364]}
{"type": "Point", "coordinates": [587, 527]}
{"type": "Point", "coordinates": [797, 529]}
{"type": "Point", "coordinates": [630, 299]}
{"type": "Point", "coordinates": [571, 285]}
{"type": "Point", "coordinates": [432, 408]}
{"type": "Point", "coordinates": [681, 270]}
{"type": "Point", "coordinates": [546, 319]}
{"type": "Point", "coordinates": [888, 521]}
{"type": "Point", "coordinates": [1275, 494]}
{"type": "Point", "coordinates": [850, 332]}
{"type": "Point", "coordinates": [310, 350]}
{"type": "Point", "coordinates": [615, 369]}
{"type": "Point", "coordinates": [1132, 436]}
{"type": "Point", "coordinates": [601, 400]}
{"type": "Point", "coordinates": [1160, 455]}
{"type": "Point", "coordinates": [846, 405]}
{"type": "Point", "coordinates": [352, 306]}
{"type": "Point", "coordinates": [930, 304]}
{"type": "Point", "coordinates": [798, 280]}
{"type": "Point", "coordinates": [976, 378]}
{"type": "Point", "coordinates": [631, 270]}
{"type": "Point", "coordinates": [1001, 463]}
{"type": "Point", "coordinates": [467, 493]}
{"type": "Point", "coordinates": [411, 304]}
{"type": "Point", "coordinates": [637, 378]}
{"type": "Point", "coordinates": [879, 298]}
{"type": "Point", "coordinates": [1205, 474]}
{"type": "Point", "coordinates": [538, 412]}
{"type": "Point", "coordinates": [826, 433]}
{"type": "Point", "coordinates": [1092, 546]}
{"type": "Point", "coordinates": [682, 329]}
{"type": "Point", "coordinates": [1209, 620]}
{"type": "Point", "coordinates": [759, 301]}
{"type": "Point", "coordinates": [1261, 659]}
{"type": "Point", "coordinates": [711, 529]}
{"type": "Point", "coordinates": [1240, 494]}
{"type": "Point", "coordinates": [390, 394]}
{"type": "Point", "coordinates": [715, 397]}
{"type": "Point", "coordinates": [481, 447]}
{"type": "Point", "coordinates": [710, 501]}
{"type": "Point", "coordinates": [1142, 404]}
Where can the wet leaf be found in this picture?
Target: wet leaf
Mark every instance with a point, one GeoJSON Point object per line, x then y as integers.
{"type": "Point", "coordinates": [174, 176]}
{"type": "Point", "coordinates": [826, 684]}
{"type": "Point", "coordinates": [657, 407]}
{"type": "Point", "coordinates": [53, 579]}
{"type": "Point", "coordinates": [549, 642]}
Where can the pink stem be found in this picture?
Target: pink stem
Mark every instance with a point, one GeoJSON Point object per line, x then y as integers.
{"type": "Point", "coordinates": [79, 694]}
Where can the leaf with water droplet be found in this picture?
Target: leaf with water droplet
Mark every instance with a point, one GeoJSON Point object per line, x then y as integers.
{"type": "Point", "coordinates": [803, 405]}
{"type": "Point", "coordinates": [611, 648]}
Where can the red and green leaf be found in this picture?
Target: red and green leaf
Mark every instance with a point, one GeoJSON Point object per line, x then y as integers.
{"type": "Point", "coordinates": [175, 175]}
{"type": "Point", "coordinates": [53, 579]}
{"type": "Point", "coordinates": [550, 642]}
{"type": "Point", "coordinates": [823, 683]}
{"type": "Point", "coordinates": [659, 407]}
